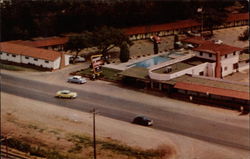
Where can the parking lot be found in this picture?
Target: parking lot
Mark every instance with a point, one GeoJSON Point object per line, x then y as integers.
{"type": "Point", "coordinates": [242, 76]}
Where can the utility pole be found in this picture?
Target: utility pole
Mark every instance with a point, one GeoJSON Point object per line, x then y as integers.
{"type": "Point", "coordinates": [94, 141]}
{"type": "Point", "coordinates": [202, 23]}
{"type": "Point", "coordinates": [201, 10]}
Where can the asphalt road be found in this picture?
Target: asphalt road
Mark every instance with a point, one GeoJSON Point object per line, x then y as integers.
{"type": "Point", "coordinates": [125, 110]}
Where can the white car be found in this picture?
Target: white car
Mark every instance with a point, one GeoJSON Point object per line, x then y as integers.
{"type": "Point", "coordinates": [77, 79]}
{"type": "Point", "coordinates": [66, 94]}
{"type": "Point", "coordinates": [77, 59]}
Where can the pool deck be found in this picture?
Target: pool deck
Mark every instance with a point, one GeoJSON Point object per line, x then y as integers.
{"type": "Point", "coordinates": [126, 65]}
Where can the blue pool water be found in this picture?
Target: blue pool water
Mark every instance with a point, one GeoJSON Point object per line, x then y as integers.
{"type": "Point", "coordinates": [150, 62]}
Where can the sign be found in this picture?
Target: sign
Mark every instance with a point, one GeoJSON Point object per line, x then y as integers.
{"type": "Point", "coordinates": [97, 62]}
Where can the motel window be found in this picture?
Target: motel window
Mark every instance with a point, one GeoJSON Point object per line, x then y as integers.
{"type": "Point", "coordinates": [235, 66]}
{"type": "Point", "coordinates": [210, 55]}
{"type": "Point", "coordinates": [7, 54]}
{"type": "Point", "coordinates": [26, 57]}
{"type": "Point", "coordinates": [234, 53]}
{"type": "Point", "coordinates": [225, 68]}
{"type": "Point", "coordinates": [225, 56]}
{"type": "Point", "coordinates": [13, 55]}
{"type": "Point", "coordinates": [46, 61]}
{"type": "Point", "coordinates": [35, 59]}
{"type": "Point", "coordinates": [1, 53]}
{"type": "Point", "coordinates": [201, 53]}
{"type": "Point", "coordinates": [201, 73]}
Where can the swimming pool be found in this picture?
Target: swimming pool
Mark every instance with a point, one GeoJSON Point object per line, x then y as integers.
{"type": "Point", "coordinates": [150, 62]}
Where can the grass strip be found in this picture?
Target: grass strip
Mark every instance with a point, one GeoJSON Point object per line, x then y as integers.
{"type": "Point", "coordinates": [107, 73]}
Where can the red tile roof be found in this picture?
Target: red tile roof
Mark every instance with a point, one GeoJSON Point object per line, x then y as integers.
{"type": "Point", "coordinates": [196, 40]}
{"type": "Point", "coordinates": [223, 49]}
{"type": "Point", "coordinates": [238, 16]}
{"type": "Point", "coordinates": [177, 25]}
{"type": "Point", "coordinates": [160, 27]}
{"type": "Point", "coordinates": [212, 90]}
{"type": "Point", "coordinates": [29, 51]}
{"type": "Point", "coordinates": [51, 41]}
{"type": "Point", "coordinates": [21, 42]}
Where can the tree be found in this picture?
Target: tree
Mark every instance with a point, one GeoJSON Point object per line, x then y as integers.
{"type": "Point", "coordinates": [211, 14]}
{"type": "Point", "coordinates": [79, 42]}
{"type": "Point", "coordinates": [156, 41]}
{"type": "Point", "coordinates": [156, 47]}
{"type": "Point", "coordinates": [245, 35]}
{"type": "Point", "coordinates": [124, 52]}
{"type": "Point", "coordinates": [213, 17]}
{"type": "Point", "coordinates": [106, 38]}
{"type": "Point", "coordinates": [176, 39]}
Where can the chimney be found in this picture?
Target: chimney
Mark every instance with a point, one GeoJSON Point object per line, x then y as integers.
{"type": "Point", "coordinates": [218, 70]}
{"type": "Point", "coordinates": [62, 62]}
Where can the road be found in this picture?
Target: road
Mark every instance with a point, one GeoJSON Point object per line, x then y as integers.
{"type": "Point", "coordinates": [124, 109]}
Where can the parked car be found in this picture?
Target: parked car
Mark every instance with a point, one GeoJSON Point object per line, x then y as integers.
{"type": "Point", "coordinates": [142, 120]}
{"type": "Point", "coordinates": [77, 79]}
{"type": "Point", "coordinates": [78, 59]}
{"type": "Point", "coordinates": [66, 94]}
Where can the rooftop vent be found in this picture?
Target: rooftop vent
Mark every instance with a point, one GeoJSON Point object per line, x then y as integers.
{"type": "Point", "coordinates": [218, 41]}
{"type": "Point", "coordinates": [168, 69]}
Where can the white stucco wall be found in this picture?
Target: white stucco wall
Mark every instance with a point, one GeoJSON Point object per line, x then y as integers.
{"type": "Point", "coordinates": [192, 71]}
{"type": "Point", "coordinates": [211, 69]}
{"type": "Point", "coordinates": [67, 59]}
{"type": "Point", "coordinates": [3, 56]}
{"type": "Point", "coordinates": [205, 55]}
{"type": "Point", "coordinates": [231, 56]}
{"type": "Point", "coordinates": [227, 64]}
{"type": "Point", "coordinates": [30, 60]}
{"type": "Point", "coordinates": [10, 57]}
{"type": "Point", "coordinates": [243, 65]}
{"type": "Point", "coordinates": [39, 62]}
{"type": "Point", "coordinates": [56, 63]}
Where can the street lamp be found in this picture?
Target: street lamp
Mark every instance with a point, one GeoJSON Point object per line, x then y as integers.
{"type": "Point", "coordinates": [200, 10]}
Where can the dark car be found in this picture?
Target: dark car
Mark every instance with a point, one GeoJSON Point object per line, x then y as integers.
{"type": "Point", "coordinates": [142, 120]}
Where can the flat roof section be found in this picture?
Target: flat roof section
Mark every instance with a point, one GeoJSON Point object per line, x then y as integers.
{"type": "Point", "coordinates": [194, 61]}
{"type": "Point", "coordinates": [136, 72]}
{"type": "Point", "coordinates": [174, 68]}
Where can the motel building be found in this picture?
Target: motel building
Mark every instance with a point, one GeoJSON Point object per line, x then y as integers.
{"type": "Point", "coordinates": [197, 76]}
{"type": "Point", "coordinates": [28, 55]}
{"type": "Point", "coordinates": [182, 26]}
{"type": "Point", "coordinates": [50, 43]}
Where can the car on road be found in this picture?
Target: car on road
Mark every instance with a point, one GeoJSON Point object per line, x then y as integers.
{"type": "Point", "coordinates": [66, 94]}
{"type": "Point", "coordinates": [142, 120]}
{"type": "Point", "coordinates": [77, 79]}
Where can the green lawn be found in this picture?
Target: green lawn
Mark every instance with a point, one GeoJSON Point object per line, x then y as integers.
{"type": "Point", "coordinates": [15, 68]}
{"type": "Point", "coordinates": [107, 73]}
